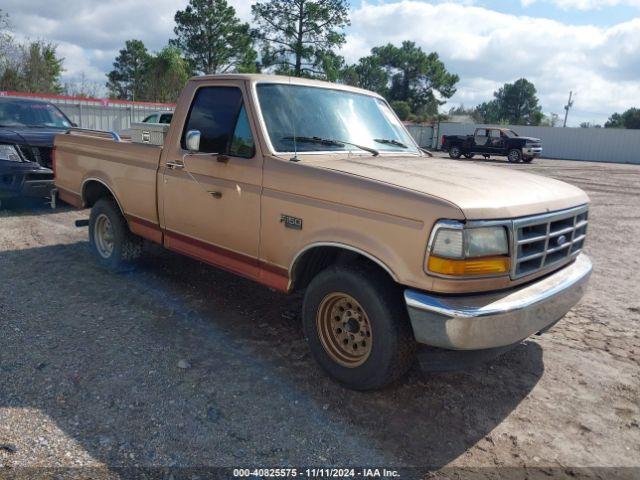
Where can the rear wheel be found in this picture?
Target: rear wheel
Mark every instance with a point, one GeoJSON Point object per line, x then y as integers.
{"type": "Point", "coordinates": [515, 155]}
{"type": "Point", "coordinates": [455, 152]}
{"type": "Point", "coordinates": [111, 240]}
{"type": "Point", "coordinates": [469, 155]}
{"type": "Point", "coordinates": [357, 327]}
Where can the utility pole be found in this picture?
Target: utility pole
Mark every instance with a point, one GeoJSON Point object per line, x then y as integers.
{"type": "Point", "coordinates": [567, 107]}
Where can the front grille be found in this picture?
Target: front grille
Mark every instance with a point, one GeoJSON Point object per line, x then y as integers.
{"type": "Point", "coordinates": [543, 241]}
{"type": "Point", "coordinates": [41, 155]}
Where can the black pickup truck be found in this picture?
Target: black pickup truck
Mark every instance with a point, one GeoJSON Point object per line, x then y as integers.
{"type": "Point", "coordinates": [489, 141]}
{"type": "Point", "coordinates": [27, 129]}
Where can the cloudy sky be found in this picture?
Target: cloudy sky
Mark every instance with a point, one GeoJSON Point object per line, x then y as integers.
{"type": "Point", "coordinates": [589, 46]}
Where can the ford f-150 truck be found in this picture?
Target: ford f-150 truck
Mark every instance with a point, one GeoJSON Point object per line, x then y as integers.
{"type": "Point", "coordinates": [305, 185]}
{"type": "Point", "coordinates": [489, 141]}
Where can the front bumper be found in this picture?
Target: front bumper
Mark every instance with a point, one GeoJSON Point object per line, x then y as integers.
{"type": "Point", "coordinates": [532, 151]}
{"type": "Point", "coordinates": [498, 319]}
{"type": "Point", "coordinates": [38, 185]}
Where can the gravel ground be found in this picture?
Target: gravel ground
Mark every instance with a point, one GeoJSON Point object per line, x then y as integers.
{"type": "Point", "coordinates": [179, 364]}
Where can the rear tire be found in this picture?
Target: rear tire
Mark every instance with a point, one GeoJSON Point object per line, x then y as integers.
{"type": "Point", "coordinates": [455, 152]}
{"type": "Point", "coordinates": [357, 326]}
{"type": "Point", "coordinates": [515, 155]}
{"type": "Point", "coordinates": [111, 241]}
{"type": "Point", "coordinates": [469, 155]}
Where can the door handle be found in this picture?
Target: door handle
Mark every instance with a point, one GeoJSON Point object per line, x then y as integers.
{"type": "Point", "coordinates": [216, 194]}
{"type": "Point", "coordinates": [175, 165]}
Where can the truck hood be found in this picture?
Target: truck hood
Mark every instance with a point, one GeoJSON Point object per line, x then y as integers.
{"type": "Point", "coordinates": [35, 137]}
{"type": "Point", "coordinates": [481, 192]}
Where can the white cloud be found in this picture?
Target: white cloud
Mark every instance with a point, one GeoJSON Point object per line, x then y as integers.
{"type": "Point", "coordinates": [585, 4]}
{"type": "Point", "coordinates": [90, 33]}
{"type": "Point", "coordinates": [487, 48]}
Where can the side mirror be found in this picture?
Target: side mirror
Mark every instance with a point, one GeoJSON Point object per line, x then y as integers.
{"type": "Point", "coordinates": [193, 140]}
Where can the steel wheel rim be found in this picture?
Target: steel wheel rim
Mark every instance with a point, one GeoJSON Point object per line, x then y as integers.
{"type": "Point", "coordinates": [513, 156]}
{"type": "Point", "coordinates": [103, 236]}
{"type": "Point", "coordinates": [344, 329]}
{"type": "Point", "coordinates": [455, 151]}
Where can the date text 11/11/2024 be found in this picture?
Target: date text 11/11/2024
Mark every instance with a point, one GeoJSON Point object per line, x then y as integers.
{"type": "Point", "coordinates": [316, 473]}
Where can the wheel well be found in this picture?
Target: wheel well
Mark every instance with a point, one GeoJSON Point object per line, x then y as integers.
{"type": "Point", "coordinates": [316, 259]}
{"type": "Point", "coordinates": [94, 191]}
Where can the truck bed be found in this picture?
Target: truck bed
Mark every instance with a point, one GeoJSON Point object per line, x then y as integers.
{"type": "Point", "coordinates": [130, 170]}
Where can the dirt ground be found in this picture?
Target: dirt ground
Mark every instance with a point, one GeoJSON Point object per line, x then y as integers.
{"type": "Point", "coordinates": [178, 364]}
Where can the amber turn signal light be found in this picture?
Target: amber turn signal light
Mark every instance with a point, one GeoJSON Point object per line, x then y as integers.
{"type": "Point", "coordinates": [470, 266]}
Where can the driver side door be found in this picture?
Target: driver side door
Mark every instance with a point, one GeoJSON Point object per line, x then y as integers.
{"type": "Point", "coordinates": [211, 198]}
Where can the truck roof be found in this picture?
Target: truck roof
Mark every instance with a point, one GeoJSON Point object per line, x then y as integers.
{"type": "Point", "coordinates": [266, 78]}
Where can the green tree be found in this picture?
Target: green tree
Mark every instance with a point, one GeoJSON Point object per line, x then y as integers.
{"type": "Point", "coordinates": [167, 72]}
{"type": "Point", "coordinates": [42, 68]}
{"type": "Point", "coordinates": [127, 79]}
{"type": "Point", "coordinates": [614, 121]}
{"type": "Point", "coordinates": [368, 73]}
{"type": "Point", "coordinates": [213, 38]}
{"type": "Point", "coordinates": [514, 103]}
{"type": "Point", "coordinates": [628, 119]}
{"type": "Point", "coordinates": [402, 109]}
{"type": "Point", "coordinates": [34, 67]}
{"type": "Point", "coordinates": [298, 36]}
{"type": "Point", "coordinates": [418, 78]}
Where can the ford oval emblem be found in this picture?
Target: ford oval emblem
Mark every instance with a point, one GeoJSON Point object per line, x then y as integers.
{"type": "Point", "coordinates": [561, 240]}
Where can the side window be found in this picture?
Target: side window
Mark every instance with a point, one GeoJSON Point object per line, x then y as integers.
{"type": "Point", "coordinates": [151, 119]}
{"type": "Point", "coordinates": [165, 118]}
{"type": "Point", "coordinates": [214, 112]}
{"type": "Point", "coordinates": [242, 144]}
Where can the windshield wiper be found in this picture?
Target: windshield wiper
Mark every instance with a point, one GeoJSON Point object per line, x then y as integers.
{"type": "Point", "coordinates": [330, 142]}
{"type": "Point", "coordinates": [387, 141]}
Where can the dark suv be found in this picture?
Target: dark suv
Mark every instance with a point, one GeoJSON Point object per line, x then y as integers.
{"type": "Point", "coordinates": [27, 129]}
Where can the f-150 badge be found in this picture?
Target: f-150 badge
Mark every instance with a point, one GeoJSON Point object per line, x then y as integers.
{"type": "Point", "coordinates": [291, 222]}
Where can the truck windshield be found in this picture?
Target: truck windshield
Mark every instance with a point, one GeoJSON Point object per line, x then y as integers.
{"type": "Point", "coordinates": [20, 113]}
{"type": "Point", "coordinates": [311, 112]}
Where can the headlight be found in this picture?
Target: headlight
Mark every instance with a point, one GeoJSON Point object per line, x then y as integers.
{"type": "Point", "coordinates": [9, 153]}
{"type": "Point", "coordinates": [459, 251]}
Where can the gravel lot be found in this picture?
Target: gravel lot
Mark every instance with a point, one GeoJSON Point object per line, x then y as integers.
{"type": "Point", "coordinates": [178, 364]}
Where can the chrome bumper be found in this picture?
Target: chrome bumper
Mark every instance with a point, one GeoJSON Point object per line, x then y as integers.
{"type": "Point", "coordinates": [532, 151]}
{"type": "Point", "coordinates": [499, 319]}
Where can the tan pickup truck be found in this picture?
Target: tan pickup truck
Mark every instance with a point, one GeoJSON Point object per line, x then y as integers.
{"type": "Point", "coordinates": [306, 185]}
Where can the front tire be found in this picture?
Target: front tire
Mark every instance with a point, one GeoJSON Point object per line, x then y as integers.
{"type": "Point", "coordinates": [455, 152]}
{"type": "Point", "coordinates": [527, 159]}
{"type": "Point", "coordinates": [514, 155]}
{"type": "Point", "coordinates": [469, 155]}
{"type": "Point", "coordinates": [357, 326]}
{"type": "Point", "coordinates": [111, 241]}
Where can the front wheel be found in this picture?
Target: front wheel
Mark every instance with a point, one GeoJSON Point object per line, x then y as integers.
{"type": "Point", "coordinates": [515, 155]}
{"type": "Point", "coordinates": [111, 240]}
{"type": "Point", "coordinates": [469, 155]}
{"type": "Point", "coordinates": [357, 326]}
{"type": "Point", "coordinates": [455, 152]}
{"type": "Point", "coordinates": [527, 159]}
